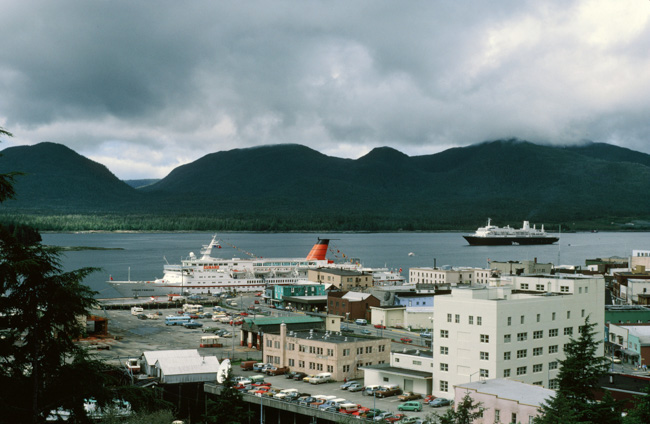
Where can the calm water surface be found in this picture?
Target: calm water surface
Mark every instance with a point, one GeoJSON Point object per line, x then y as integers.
{"type": "Point", "coordinates": [142, 255]}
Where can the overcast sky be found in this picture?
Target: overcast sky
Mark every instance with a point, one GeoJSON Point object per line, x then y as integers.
{"type": "Point", "coordinates": [144, 87]}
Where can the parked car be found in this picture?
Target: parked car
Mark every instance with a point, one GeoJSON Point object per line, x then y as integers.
{"type": "Point", "coordinates": [365, 331]}
{"type": "Point", "coordinates": [393, 418]}
{"type": "Point", "coordinates": [347, 384]}
{"type": "Point", "coordinates": [277, 370]}
{"type": "Point", "coordinates": [380, 326]}
{"type": "Point", "coordinates": [370, 390]}
{"type": "Point", "coordinates": [438, 402]}
{"type": "Point", "coordinates": [425, 335]}
{"type": "Point", "coordinates": [409, 396]}
{"type": "Point", "coordinates": [429, 398]}
{"type": "Point", "coordinates": [258, 366]}
{"type": "Point", "coordinates": [257, 302]}
{"type": "Point", "coordinates": [306, 400]}
{"type": "Point", "coordinates": [299, 376]}
{"type": "Point", "coordinates": [410, 420]}
{"type": "Point", "coordinates": [412, 405]}
{"type": "Point", "coordinates": [355, 387]}
{"type": "Point", "coordinates": [406, 340]}
{"type": "Point", "coordinates": [192, 324]}
{"type": "Point", "coordinates": [382, 416]}
{"type": "Point", "coordinates": [372, 413]}
{"type": "Point", "coordinates": [387, 391]}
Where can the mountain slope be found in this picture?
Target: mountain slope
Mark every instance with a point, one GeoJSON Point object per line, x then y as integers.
{"type": "Point", "coordinates": [508, 180]}
{"type": "Point", "coordinates": [58, 179]}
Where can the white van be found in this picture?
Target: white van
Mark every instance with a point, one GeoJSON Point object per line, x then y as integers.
{"type": "Point", "coordinates": [323, 377]}
{"type": "Point", "coordinates": [361, 322]}
{"type": "Point", "coordinates": [136, 310]}
{"type": "Point", "coordinates": [348, 408]}
{"type": "Point", "coordinates": [283, 393]}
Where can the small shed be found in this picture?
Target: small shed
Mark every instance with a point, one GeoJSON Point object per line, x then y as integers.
{"type": "Point", "coordinates": [151, 357]}
{"type": "Point", "coordinates": [177, 370]}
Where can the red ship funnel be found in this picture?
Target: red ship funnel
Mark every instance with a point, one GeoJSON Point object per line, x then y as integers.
{"type": "Point", "coordinates": [319, 251]}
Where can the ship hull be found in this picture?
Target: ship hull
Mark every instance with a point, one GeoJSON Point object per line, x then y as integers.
{"type": "Point", "coordinates": [509, 241]}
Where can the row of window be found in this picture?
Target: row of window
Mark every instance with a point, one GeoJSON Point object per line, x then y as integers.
{"type": "Point", "coordinates": [315, 350]}
{"type": "Point", "coordinates": [470, 319]}
{"type": "Point", "coordinates": [553, 384]}
{"type": "Point", "coordinates": [553, 332]}
{"type": "Point", "coordinates": [538, 317]}
{"type": "Point", "coordinates": [506, 372]}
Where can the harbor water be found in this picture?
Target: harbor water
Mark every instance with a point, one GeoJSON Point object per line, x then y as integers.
{"type": "Point", "coordinates": [141, 256]}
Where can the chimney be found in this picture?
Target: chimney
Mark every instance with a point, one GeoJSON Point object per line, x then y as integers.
{"type": "Point", "coordinates": [283, 343]}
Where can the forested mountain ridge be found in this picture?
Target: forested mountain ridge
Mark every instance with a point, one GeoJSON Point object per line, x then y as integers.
{"type": "Point", "coordinates": [507, 180]}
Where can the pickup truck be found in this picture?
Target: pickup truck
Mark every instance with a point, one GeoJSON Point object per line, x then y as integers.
{"type": "Point", "coordinates": [277, 371]}
{"type": "Point", "coordinates": [388, 391]}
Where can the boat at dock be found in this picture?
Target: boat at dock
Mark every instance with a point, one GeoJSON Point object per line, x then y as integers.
{"type": "Point", "coordinates": [206, 274]}
{"type": "Point", "coordinates": [491, 235]}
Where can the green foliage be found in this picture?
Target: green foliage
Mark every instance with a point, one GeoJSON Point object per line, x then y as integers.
{"type": "Point", "coordinates": [157, 417]}
{"type": "Point", "coordinates": [575, 399]}
{"type": "Point", "coordinates": [640, 414]}
{"type": "Point", "coordinates": [464, 413]}
{"type": "Point", "coordinates": [228, 407]}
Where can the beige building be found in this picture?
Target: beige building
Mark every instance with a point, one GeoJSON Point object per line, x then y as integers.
{"type": "Point", "coordinates": [521, 267]}
{"type": "Point", "coordinates": [341, 278]}
{"type": "Point", "coordinates": [450, 276]}
{"type": "Point", "coordinates": [640, 257]}
{"type": "Point", "coordinates": [314, 352]}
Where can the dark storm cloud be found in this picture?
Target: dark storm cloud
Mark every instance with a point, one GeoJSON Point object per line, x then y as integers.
{"type": "Point", "coordinates": [146, 86]}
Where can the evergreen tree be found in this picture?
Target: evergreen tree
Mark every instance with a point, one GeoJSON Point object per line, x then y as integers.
{"type": "Point", "coordinates": [464, 413]}
{"type": "Point", "coordinates": [229, 406]}
{"type": "Point", "coordinates": [578, 378]}
{"type": "Point", "coordinates": [640, 414]}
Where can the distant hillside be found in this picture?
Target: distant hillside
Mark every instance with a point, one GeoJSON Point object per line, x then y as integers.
{"type": "Point", "coordinates": [58, 180]}
{"type": "Point", "coordinates": [507, 180]}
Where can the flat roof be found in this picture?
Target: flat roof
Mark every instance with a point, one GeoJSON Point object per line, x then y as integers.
{"type": "Point", "coordinates": [398, 371]}
{"type": "Point", "coordinates": [330, 336]}
{"type": "Point", "coordinates": [280, 320]}
{"type": "Point", "coordinates": [504, 388]}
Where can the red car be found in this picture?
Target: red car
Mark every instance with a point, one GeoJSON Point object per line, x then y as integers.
{"type": "Point", "coordinates": [257, 302]}
{"type": "Point", "coordinates": [236, 322]}
{"type": "Point", "coordinates": [406, 340]}
{"type": "Point", "coordinates": [380, 326]}
{"type": "Point", "coordinates": [263, 384]}
{"type": "Point", "coordinates": [394, 418]}
{"type": "Point", "coordinates": [258, 294]}
{"type": "Point", "coordinates": [244, 314]}
{"type": "Point", "coordinates": [428, 399]}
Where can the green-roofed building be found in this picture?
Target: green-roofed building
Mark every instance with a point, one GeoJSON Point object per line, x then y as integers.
{"type": "Point", "coordinates": [253, 329]}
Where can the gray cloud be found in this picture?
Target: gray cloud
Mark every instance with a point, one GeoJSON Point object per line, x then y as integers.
{"type": "Point", "coordinates": [145, 87]}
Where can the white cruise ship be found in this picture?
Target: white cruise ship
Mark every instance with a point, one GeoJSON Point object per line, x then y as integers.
{"type": "Point", "coordinates": [211, 275]}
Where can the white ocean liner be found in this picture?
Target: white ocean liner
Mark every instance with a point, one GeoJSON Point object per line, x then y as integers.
{"type": "Point", "coordinates": [211, 275]}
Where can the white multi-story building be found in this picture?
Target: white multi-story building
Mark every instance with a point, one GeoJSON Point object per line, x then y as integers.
{"type": "Point", "coordinates": [513, 331]}
{"type": "Point", "coordinates": [449, 276]}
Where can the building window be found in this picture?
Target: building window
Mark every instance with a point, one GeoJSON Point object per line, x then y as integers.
{"type": "Point", "coordinates": [553, 316]}
{"type": "Point", "coordinates": [382, 348]}
{"type": "Point", "coordinates": [521, 319]}
{"type": "Point", "coordinates": [568, 331]}
{"type": "Point", "coordinates": [417, 362]}
{"type": "Point", "coordinates": [513, 417]}
{"type": "Point", "coordinates": [330, 352]}
{"type": "Point", "coordinates": [444, 334]}
{"type": "Point", "coordinates": [552, 349]}
{"type": "Point", "coordinates": [539, 287]}
{"type": "Point", "coordinates": [444, 386]}
{"type": "Point", "coordinates": [522, 336]}
{"type": "Point", "coordinates": [346, 368]}
{"type": "Point", "coordinates": [509, 320]}
{"type": "Point", "coordinates": [497, 415]}
{"type": "Point", "coordinates": [485, 356]}
{"type": "Point", "coordinates": [444, 350]}
{"type": "Point", "coordinates": [506, 373]}
{"type": "Point", "coordinates": [582, 312]}
{"type": "Point", "coordinates": [471, 319]}
{"type": "Point", "coordinates": [554, 384]}
{"type": "Point", "coordinates": [564, 289]}
{"type": "Point", "coordinates": [538, 351]}
{"type": "Point", "coordinates": [291, 362]}
{"type": "Point", "coordinates": [448, 317]}
{"type": "Point", "coordinates": [346, 352]}
{"type": "Point", "coordinates": [330, 368]}
{"type": "Point", "coordinates": [521, 370]}
{"type": "Point", "coordinates": [506, 356]}
{"type": "Point", "coordinates": [568, 314]}
{"type": "Point", "coordinates": [368, 349]}
{"type": "Point", "coordinates": [538, 334]}
{"type": "Point", "coordinates": [565, 347]}
{"type": "Point", "coordinates": [444, 367]}
{"type": "Point", "coordinates": [457, 319]}
{"type": "Point", "coordinates": [479, 321]}
{"type": "Point", "coordinates": [485, 338]}
{"type": "Point", "coordinates": [301, 364]}
{"type": "Point", "coordinates": [522, 353]}
{"type": "Point", "coordinates": [552, 365]}
{"type": "Point", "coordinates": [539, 317]}
{"type": "Point", "coordinates": [484, 373]}
{"type": "Point", "coordinates": [537, 368]}
{"type": "Point", "coordinates": [506, 338]}
{"type": "Point", "coordinates": [553, 332]}
{"type": "Point", "coordinates": [524, 286]}
{"type": "Point", "coordinates": [359, 350]}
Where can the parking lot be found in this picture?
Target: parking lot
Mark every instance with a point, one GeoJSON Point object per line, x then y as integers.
{"type": "Point", "coordinates": [327, 389]}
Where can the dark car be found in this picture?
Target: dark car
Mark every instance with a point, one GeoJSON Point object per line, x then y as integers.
{"type": "Point", "coordinates": [192, 324]}
{"type": "Point", "coordinates": [438, 402]}
{"type": "Point", "coordinates": [306, 400]}
{"type": "Point", "coordinates": [299, 376]}
{"type": "Point", "coordinates": [142, 316]}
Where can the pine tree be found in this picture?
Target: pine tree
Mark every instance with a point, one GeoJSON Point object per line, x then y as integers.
{"type": "Point", "coordinates": [580, 370]}
{"type": "Point", "coordinates": [640, 414]}
{"type": "Point", "coordinates": [465, 412]}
